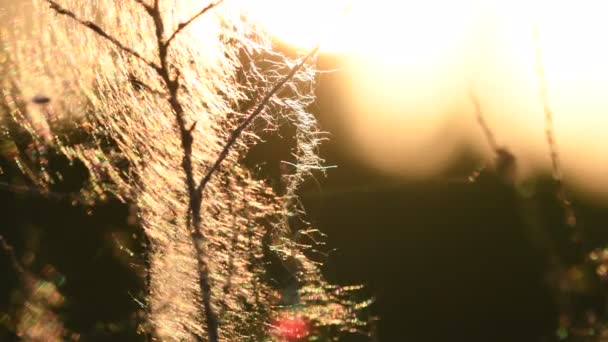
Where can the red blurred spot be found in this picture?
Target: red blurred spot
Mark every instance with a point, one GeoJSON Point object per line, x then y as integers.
{"type": "Point", "coordinates": [291, 328]}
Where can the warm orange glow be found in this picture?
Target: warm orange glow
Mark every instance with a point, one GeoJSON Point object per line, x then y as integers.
{"type": "Point", "coordinates": [306, 23]}
{"type": "Point", "coordinates": [355, 26]}
{"type": "Point", "coordinates": [409, 66]}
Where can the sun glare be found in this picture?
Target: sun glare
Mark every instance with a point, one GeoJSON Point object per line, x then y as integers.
{"type": "Point", "coordinates": [344, 26]}
{"type": "Point", "coordinates": [304, 24]}
{"type": "Point", "coordinates": [409, 65]}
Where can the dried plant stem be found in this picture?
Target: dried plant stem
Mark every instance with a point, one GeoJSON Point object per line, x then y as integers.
{"type": "Point", "coordinates": [561, 193]}
{"type": "Point", "coordinates": [481, 120]}
{"type": "Point", "coordinates": [259, 108]}
{"type": "Point", "coordinates": [504, 160]}
{"type": "Point", "coordinates": [185, 24]}
{"type": "Point", "coordinates": [194, 220]}
{"type": "Point", "coordinates": [98, 30]}
{"type": "Point", "coordinates": [171, 80]}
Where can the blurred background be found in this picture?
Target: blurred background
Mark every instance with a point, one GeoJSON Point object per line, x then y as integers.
{"type": "Point", "coordinates": [450, 257]}
{"type": "Point", "coordinates": [404, 72]}
{"type": "Point", "coordinates": [447, 256]}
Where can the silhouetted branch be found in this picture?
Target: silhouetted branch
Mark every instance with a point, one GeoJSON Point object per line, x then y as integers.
{"type": "Point", "coordinates": [193, 218]}
{"type": "Point", "coordinates": [504, 163]}
{"type": "Point", "coordinates": [254, 114]}
{"type": "Point", "coordinates": [561, 194]}
{"type": "Point", "coordinates": [172, 86]}
{"type": "Point", "coordinates": [481, 120]}
{"type": "Point", "coordinates": [170, 77]}
{"type": "Point", "coordinates": [98, 30]}
{"type": "Point", "coordinates": [185, 24]}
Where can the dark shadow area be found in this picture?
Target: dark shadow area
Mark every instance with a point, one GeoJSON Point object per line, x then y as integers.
{"type": "Point", "coordinates": [73, 247]}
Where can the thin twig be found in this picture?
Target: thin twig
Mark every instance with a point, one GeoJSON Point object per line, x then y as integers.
{"type": "Point", "coordinates": [185, 24]}
{"type": "Point", "coordinates": [504, 163]}
{"type": "Point", "coordinates": [254, 114]}
{"type": "Point", "coordinates": [481, 120]}
{"type": "Point", "coordinates": [561, 193]}
{"type": "Point", "coordinates": [98, 30]}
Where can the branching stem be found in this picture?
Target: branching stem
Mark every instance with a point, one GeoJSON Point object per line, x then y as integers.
{"type": "Point", "coordinates": [259, 108]}
{"type": "Point", "coordinates": [182, 26]}
{"type": "Point", "coordinates": [171, 79]}
{"type": "Point", "coordinates": [99, 31]}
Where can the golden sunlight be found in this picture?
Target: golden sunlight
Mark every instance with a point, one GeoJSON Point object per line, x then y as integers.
{"type": "Point", "coordinates": [360, 26]}
{"type": "Point", "coordinates": [408, 67]}
{"type": "Point", "coordinates": [303, 24]}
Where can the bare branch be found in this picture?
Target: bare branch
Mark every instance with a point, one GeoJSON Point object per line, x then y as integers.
{"type": "Point", "coordinates": [169, 77]}
{"type": "Point", "coordinates": [185, 24]}
{"type": "Point", "coordinates": [481, 120]}
{"type": "Point", "coordinates": [254, 114]}
{"type": "Point", "coordinates": [98, 30]}
{"type": "Point", "coordinates": [561, 192]}
{"type": "Point", "coordinates": [193, 218]}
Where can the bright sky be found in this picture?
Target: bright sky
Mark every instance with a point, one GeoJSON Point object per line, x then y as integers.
{"type": "Point", "coordinates": [409, 65]}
